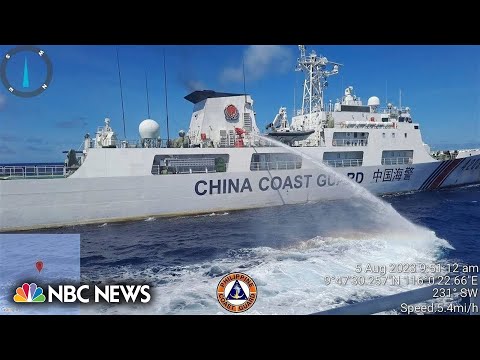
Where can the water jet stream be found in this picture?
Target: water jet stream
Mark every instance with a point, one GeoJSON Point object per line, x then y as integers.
{"type": "Point", "coordinates": [396, 222]}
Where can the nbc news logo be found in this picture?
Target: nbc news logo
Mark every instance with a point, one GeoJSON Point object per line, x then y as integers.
{"type": "Point", "coordinates": [31, 293]}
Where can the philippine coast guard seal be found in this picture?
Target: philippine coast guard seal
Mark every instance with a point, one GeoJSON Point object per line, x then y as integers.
{"type": "Point", "coordinates": [236, 292]}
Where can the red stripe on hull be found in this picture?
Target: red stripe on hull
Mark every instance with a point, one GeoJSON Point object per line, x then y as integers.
{"type": "Point", "coordinates": [444, 174]}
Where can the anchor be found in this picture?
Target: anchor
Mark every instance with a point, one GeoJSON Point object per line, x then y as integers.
{"type": "Point", "coordinates": [237, 294]}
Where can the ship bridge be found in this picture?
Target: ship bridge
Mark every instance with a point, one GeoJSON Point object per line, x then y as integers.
{"type": "Point", "coordinates": [221, 119]}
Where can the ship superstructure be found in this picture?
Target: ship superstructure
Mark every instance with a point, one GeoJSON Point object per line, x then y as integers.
{"type": "Point", "coordinates": [224, 163]}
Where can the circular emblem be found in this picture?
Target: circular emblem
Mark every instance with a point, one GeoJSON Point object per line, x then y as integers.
{"type": "Point", "coordinates": [26, 71]}
{"type": "Point", "coordinates": [236, 292]}
{"type": "Point", "coordinates": [231, 112]}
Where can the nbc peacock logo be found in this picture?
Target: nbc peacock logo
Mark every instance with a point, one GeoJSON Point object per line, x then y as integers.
{"type": "Point", "coordinates": [29, 293]}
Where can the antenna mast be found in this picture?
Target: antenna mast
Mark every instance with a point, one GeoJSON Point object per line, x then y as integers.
{"type": "Point", "coordinates": [166, 97]}
{"type": "Point", "coordinates": [148, 100]}
{"type": "Point", "coordinates": [294, 97]}
{"type": "Point", "coordinates": [386, 92]}
{"type": "Point", "coordinates": [121, 96]}
{"type": "Point", "coordinates": [314, 68]}
{"type": "Point", "coordinates": [244, 86]}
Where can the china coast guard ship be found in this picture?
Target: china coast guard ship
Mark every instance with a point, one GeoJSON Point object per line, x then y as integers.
{"type": "Point", "coordinates": [222, 163]}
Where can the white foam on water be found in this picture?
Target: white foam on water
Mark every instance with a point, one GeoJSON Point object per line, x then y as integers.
{"type": "Point", "coordinates": [211, 214]}
{"type": "Point", "coordinates": [150, 219]}
{"type": "Point", "coordinates": [290, 280]}
{"type": "Point", "coordinates": [201, 215]}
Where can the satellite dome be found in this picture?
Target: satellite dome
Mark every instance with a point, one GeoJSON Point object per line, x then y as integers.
{"type": "Point", "coordinates": [181, 133]}
{"type": "Point", "coordinates": [149, 129]}
{"type": "Point", "coordinates": [373, 101]}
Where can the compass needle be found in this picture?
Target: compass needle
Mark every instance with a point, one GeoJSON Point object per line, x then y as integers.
{"type": "Point", "coordinates": [26, 80]}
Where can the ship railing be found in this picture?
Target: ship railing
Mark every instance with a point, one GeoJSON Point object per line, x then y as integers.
{"type": "Point", "coordinates": [397, 161]}
{"type": "Point", "coordinates": [350, 142]}
{"type": "Point", "coordinates": [252, 140]}
{"type": "Point", "coordinates": [343, 162]}
{"type": "Point", "coordinates": [367, 124]}
{"type": "Point", "coordinates": [127, 143]}
{"type": "Point", "coordinates": [117, 143]}
{"type": "Point", "coordinates": [162, 143]}
{"type": "Point", "coordinates": [31, 171]}
{"type": "Point", "coordinates": [422, 298]}
{"type": "Point", "coordinates": [275, 165]}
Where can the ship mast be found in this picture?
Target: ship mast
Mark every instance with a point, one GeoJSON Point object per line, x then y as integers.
{"type": "Point", "coordinates": [315, 70]}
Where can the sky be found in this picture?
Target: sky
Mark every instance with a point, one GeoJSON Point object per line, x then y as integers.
{"type": "Point", "coordinates": [441, 84]}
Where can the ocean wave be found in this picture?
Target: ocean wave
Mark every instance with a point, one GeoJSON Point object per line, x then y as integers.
{"type": "Point", "coordinates": [290, 280]}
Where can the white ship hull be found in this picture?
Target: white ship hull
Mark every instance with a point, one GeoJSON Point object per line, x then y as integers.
{"type": "Point", "coordinates": [30, 204]}
{"type": "Point", "coordinates": [221, 163]}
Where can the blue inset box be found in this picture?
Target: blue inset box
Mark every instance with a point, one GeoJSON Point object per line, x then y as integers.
{"type": "Point", "coordinates": [37, 260]}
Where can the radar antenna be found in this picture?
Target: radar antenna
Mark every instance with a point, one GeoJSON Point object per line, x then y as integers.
{"type": "Point", "coordinates": [315, 70]}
